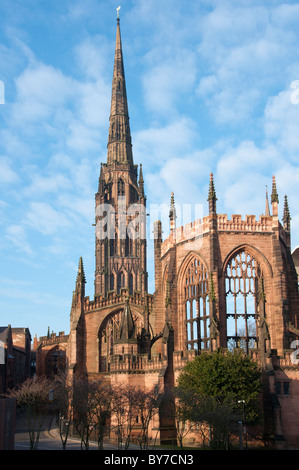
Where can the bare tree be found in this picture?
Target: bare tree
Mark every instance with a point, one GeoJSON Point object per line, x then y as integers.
{"type": "Point", "coordinates": [119, 414]}
{"type": "Point", "coordinates": [178, 407]}
{"type": "Point", "coordinates": [147, 405]}
{"type": "Point", "coordinates": [33, 399]}
{"type": "Point", "coordinates": [104, 396]}
{"type": "Point", "coordinates": [63, 399]}
{"type": "Point", "coordinates": [84, 405]}
{"type": "Point", "coordinates": [131, 394]}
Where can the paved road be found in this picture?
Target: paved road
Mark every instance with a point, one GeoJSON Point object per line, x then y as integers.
{"type": "Point", "coordinates": [49, 438]}
{"type": "Point", "coordinates": [50, 443]}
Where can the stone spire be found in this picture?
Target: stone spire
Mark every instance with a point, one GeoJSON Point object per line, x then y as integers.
{"type": "Point", "coordinates": [212, 195]}
{"type": "Point", "coordinates": [80, 281]}
{"type": "Point", "coordinates": [78, 296]}
{"type": "Point", "coordinates": [101, 186]}
{"type": "Point", "coordinates": [274, 195]}
{"type": "Point", "coordinates": [274, 198]}
{"type": "Point", "coordinates": [141, 182]}
{"type": "Point", "coordinates": [127, 327]}
{"type": "Point", "coordinates": [119, 139]}
{"type": "Point", "coordinates": [81, 274]}
{"type": "Point", "coordinates": [286, 215]}
{"type": "Point", "coordinates": [119, 187]}
{"type": "Point", "coordinates": [172, 213]}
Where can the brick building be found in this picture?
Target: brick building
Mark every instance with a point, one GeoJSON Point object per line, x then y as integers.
{"type": "Point", "coordinates": [50, 354]}
{"type": "Point", "coordinates": [219, 282]}
{"type": "Point", "coordinates": [15, 357]}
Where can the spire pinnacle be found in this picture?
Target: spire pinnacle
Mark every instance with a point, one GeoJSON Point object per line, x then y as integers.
{"type": "Point", "coordinates": [274, 195]}
{"type": "Point", "coordinates": [286, 215]}
{"type": "Point", "coordinates": [212, 195]}
{"type": "Point", "coordinates": [81, 274]}
{"type": "Point", "coordinates": [127, 327]}
{"type": "Point", "coordinates": [119, 139]}
{"type": "Point", "coordinates": [172, 212]}
{"type": "Point", "coordinates": [141, 181]}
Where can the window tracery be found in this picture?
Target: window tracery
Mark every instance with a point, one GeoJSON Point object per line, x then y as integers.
{"type": "Point", "coordinates": [241, 282]}
{"type": "Point", "coordinates": [196, 292]}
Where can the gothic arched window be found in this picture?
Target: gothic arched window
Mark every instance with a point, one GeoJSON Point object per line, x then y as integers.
{"type": "Point", "coordinates": [111, 281]}
{"type": "Point", "coordinates": [129, 245]}
{"type": "Point", "coordinates": [113, 245]}
{"type": "Point", "coordinates": [241, 282]}
{"type": "Point", "coordinates": [120, 281]}
{"type": "Point", "coordinates": [131, 284]}
{"type": "Point", "coordinates": [55, 362]}
{"type": "Point", "coordinates": [121, 188]}
{"type": "Point", "coordinates": [197, 305]}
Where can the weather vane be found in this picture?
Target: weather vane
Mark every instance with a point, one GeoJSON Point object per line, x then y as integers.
{"type": "Point", "coordinates": [117, 9]}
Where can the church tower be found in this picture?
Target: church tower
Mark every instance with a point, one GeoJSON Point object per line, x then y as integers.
{"type": "Point", "coordinates": [120, 202]}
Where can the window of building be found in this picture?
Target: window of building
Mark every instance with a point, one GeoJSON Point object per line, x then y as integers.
{"type": "Point", "coordinates": [121, 187]}
{"type": "Point", "coordinates": [282, 388]}
{"type": "Point", "coordinates": [197, 305]}
{"type": "Point", "coordinates": [111, 281]}
{"type": "Point", "coordinates": [241, 280]}
{"type": "Point", "coordinates": [120, 281]}
{"type": "Point", "coordinates": [129, 245]}
{"type": "Point", "coordinates": [131, 284]}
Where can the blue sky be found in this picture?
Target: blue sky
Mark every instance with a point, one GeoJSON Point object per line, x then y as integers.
{"type": "Point", "coordinates": [209, 87]}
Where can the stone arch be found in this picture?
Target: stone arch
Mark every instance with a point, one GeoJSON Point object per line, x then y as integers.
{"type": "Point", "coordinates": [244, 271]}
{"type": "Point", "coordinates": [186, 261]}
{"type": "Point", "coordinates": [107, 335]}
{"type": "Point", "coordinates": [55, 361]}
{"type": "Point", "coordinates": [256, 253]}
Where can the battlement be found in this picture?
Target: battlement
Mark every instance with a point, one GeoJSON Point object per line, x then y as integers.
{"type": "Point", "coordinates": [194, 230]}
{"type": "Point", "coordinates": [53, 338]}
{"type": "Point", "coordinates": [264, 224]}
{"type": "Point", "coordinates": [142, 363]}
{"type": "Point", "coordinates": [112, 298]}
{"type": "Point", "coordinates": [287, 360]}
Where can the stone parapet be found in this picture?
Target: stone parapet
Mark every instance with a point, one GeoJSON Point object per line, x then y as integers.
{"type": "Point", "coordinates": [112, 298]}
{"type": "Point", "coordinates": [201, 227]}
{"type": "Point", "coordinates": [53, 339]}
{"type": "Point", "coordinates": [138, 363]}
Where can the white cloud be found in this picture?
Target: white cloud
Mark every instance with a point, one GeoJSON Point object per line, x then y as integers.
{"type": "Point", "coordinates": [281, 122]}
{"type": "Point", "coordinates": [93, 57]}
{"type": "Point", "coordinates": [81, 137]}
{"type": "Point", "coordinates": [16, 234]}
{"type": "Point", "coordinates": [166, 82]}
{"type": "Point", "coordinates": [41, 91]}
{"type": "Point", "coordinates": [7, 174]}
{"type": "Point", "coordinates": [242, 49]}
{"type": "Point", "coordinates": [41, 184]}
{"type": "Point", "coordinates": [157, 144]}
{"type": "Point", "coordinates": [247, 157]}
{"type": "Point", "coordinates": [43, 218]}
